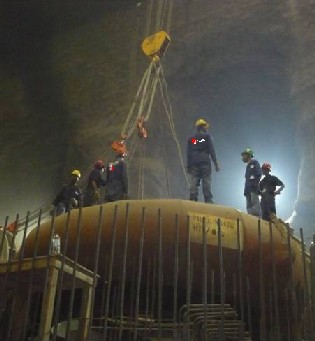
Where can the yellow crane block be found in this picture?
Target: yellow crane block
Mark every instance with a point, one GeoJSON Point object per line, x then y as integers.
{"type": "Point", "coordinates": [155, 45]}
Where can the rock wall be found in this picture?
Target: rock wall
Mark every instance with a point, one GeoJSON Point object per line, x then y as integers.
{"type": "Point", "coordinates": [301, 16]}
{"type": "Point", "coordinates": [69, 73]}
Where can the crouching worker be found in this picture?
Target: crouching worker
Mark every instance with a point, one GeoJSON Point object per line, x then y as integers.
{"type": "Point", "coordinates": [116, 174]}
{"type": "Point", "coordinates": [70, 195]}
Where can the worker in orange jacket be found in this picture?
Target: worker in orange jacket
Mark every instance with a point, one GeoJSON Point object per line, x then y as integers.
{"type": "Point", "coordinates": [116, 174]}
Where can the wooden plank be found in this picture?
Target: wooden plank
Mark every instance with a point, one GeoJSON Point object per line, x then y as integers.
{"type": "Point", "coordinates": [43, 262]}
{"type": "Point", "coordinates": [48, 305]}
{"type": "Point", "coordinates": [85, 313]}
{"type": "Point", "coordinates": [19, 270]}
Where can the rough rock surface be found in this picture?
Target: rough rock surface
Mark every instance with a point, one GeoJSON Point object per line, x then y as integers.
{"type": "Point", "coordinates": [69, 73]}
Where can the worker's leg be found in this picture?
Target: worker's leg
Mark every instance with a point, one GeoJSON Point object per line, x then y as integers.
{"type": "Point", "coordinates": [116, 197]}
{"type": "Point", "coordinates": [265, 209]}
{"type": "Point", "coordinates": [114, 191]}
{"type": "Point", "coordinates": [88, 197]}
{"type": "Point", "coordinates": [206, 183]}
{"type": "Point", "coordinates": [253, 204]}
{"type": "Point", "coordinates": [194, 182]}
{"type": "Point", "coordinates": [272, 204]}
{"type": "Point", "coordinates": [61, 208]}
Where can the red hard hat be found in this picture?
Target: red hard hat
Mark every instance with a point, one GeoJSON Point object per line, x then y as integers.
{"type": "Point", "coordinates": [266, 165]}
{"type": "Point", "coordinates": [99, 164]}
{"type": "Point", "coordinates": [119, 147]}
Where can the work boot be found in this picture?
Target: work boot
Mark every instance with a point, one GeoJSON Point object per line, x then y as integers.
{"type": "Point", "coordinates": [192, 198]}
{"type": "Point", "coordinates": [208, 200]}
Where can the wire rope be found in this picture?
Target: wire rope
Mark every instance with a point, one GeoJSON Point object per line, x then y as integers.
{"type": "Point", "coordinates": [144, 99]}
{"type": "Point", "coordinates": [147, 97]}
{"type": "Point", "coordinates": [169, 113]}
{"type": "Point", "coordinates": [164, 157]}
{"type": "Point", "coordinates": [146, 94]}
{"type": "Point", "coordinates": [141, 90]}
{"type": "Point", "coordinates": [159, 10]}
{"type": "Point", "coordinates": [140, 190]}
{"type": "Point", "coordinates": [154, 87]}
{"type": "Point", "coordinates": [148, 18]}
{"type": "Point", "coordinates": [169, 17]}
{"type": "Point", "coordinates": [139, 171]}
{"type": "Point", "coordinates": [142, 169]}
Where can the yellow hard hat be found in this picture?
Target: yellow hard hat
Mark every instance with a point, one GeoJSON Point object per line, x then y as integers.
{"type": "Point", "coordinates": [201, 122]}
{"type": "Point", "coordinates": [76, 173]}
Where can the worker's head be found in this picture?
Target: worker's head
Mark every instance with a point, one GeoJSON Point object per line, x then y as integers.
{"type": "Point", "coordinates": [266, 168]}
{"type": "Point", "coordinates": [247, 154]}
{"type": "Point", "coordinates": [120, 154]}
{"type": "Point", "coordinates": [99, 164]}
{"type": "Point", "coordinates": [202, 124]}
{"type": "Point", "coordinates": [76, 175]}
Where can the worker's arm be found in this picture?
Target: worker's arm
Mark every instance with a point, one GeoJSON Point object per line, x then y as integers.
{"type": "Point", "coordinates": [94, 180]}
{"type": "Point", "coordinates": [93, 183]}
{"type": "Point", "coordinates": [213, 154]}
{"type": "Point", "coordinates": [60, 196]}
{"type": "Point", "coordinates": [80, 198]}
{"type": "Point", "coordinates": [257, 171]}
{"type": "Point", "coordinates": [188, 154]}
{"type": "Point", "coordinates": [281, 186]}
{"type": "Point", "coordinates": [124, 176]}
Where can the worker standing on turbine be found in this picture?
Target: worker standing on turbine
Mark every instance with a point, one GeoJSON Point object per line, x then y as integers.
{"type": "Point", "coordinates": [116, 173]}
{"type": "Point", "coordinates": [252, 178]}
{"type": "Point", "coordinates": [92, 195]}
{"type": "Point", "coordinates": [200, 153]}
{"type": "Point", "coordinates": [268, 190]}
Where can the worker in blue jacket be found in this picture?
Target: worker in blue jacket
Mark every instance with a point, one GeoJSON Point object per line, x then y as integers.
{"type": "Point", "coordinates": [116, 179]}
{"type": "Point", "coordinates": [252, 178]}
{"type": "Point", "coordinates": [200, 153]}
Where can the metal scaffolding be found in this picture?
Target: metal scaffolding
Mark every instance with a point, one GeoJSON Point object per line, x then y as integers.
{"type": "Point", "coordinates": [128, 293]}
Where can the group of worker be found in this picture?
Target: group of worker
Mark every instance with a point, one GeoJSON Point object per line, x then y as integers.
{"type": "Point", "coordinates": [259, 191]}
{"type": "Point", "coordinates": [112, 176]}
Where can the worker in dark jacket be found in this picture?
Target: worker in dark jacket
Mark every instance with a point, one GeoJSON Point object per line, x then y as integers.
{"type": "Point", "coordinates": [70, 195]}
{"type": "Point", "coordinates": [92, 195]}
{"type": "Point", "coordinates": [252, 178]}
{"type": "Point", "coordinates": [270, 186]}
{"type": "Point", "coordinates": [116, 179]}
{"type": "Point", "coordinates": [200, 152]}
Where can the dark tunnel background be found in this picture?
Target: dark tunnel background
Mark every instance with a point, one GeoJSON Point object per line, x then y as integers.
{"type": "Point", "coordinates": [247, 103]}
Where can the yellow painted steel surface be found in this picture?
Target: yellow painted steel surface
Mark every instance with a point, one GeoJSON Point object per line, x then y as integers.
{"type": "Point", "coordinates": [128, 225]}
{"type": "Point", "coordinates": [188, 215]}
{"type": "Point", "coordinates": [228, 230]}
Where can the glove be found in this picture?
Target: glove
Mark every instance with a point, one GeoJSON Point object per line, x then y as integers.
{"type": "Point", "coordinates": [97, 195]}
{"type": "Point", "coordinates": [217, 167]}
{"type": "Point", "coordinates": [74, 202]}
